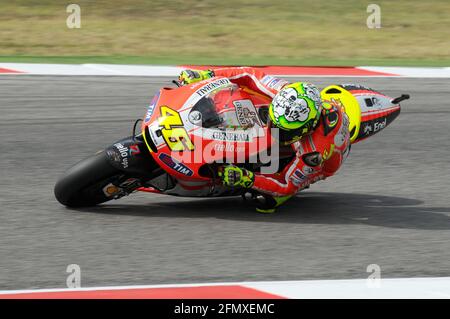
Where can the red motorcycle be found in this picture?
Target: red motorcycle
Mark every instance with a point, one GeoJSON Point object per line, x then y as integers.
{"type": "Point", "coordinates": [188, 133]}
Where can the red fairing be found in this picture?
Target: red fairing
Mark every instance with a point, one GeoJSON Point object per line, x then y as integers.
{"type": "Point", "coordinates": [214, 144]}
{"type": "Point", "coordinates": [318, 155]}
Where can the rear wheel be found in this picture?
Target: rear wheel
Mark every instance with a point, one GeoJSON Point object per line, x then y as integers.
{"type": "Point", "coordinates": [84, 183]}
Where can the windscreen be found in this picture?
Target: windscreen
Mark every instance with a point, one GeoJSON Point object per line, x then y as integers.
{"type": "Point", "coordinates": [224, 108]}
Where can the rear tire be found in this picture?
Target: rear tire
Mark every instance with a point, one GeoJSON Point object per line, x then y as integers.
{"type": "Point", "coordinates": [82, 185]}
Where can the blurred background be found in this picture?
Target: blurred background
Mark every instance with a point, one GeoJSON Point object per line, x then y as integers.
{"type": "Point", "coordinates": [250, 32]}
{"type": "Point", "coordinates": [388, 205]}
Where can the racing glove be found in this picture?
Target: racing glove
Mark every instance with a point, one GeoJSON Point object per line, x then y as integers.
{"type": "Point", "coordinates": [192, 76]}
{"type": "Point", "coordinates": [236, 177]}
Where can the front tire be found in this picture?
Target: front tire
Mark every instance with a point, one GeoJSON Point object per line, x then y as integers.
{"type": "Point", "coordinates": [82, 185]}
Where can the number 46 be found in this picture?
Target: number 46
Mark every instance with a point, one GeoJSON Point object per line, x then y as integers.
{"type": "Point", "coordinates": [173, 131]}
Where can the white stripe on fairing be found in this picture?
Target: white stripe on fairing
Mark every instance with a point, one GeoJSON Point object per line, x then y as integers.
{"type": "Point", "coordinates": [298, 147]}
{"type": "Point", "coordinates": [369, 93]}
{"type": "Point", "coordinates": [291, 169]}
{"type": "Point", "coordinates": [374, 112]}
{"type": "Point", "coordinates": [311, 143]}
{"type": "Point", "coordinates": [433, 287]}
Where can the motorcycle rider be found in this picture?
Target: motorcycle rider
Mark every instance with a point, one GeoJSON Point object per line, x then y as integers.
{"type": "Point", "coordinates": [316, 130]}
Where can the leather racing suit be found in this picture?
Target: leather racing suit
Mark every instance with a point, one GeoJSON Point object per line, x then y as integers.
{"type": "Point", "coordinates": [318, 155]}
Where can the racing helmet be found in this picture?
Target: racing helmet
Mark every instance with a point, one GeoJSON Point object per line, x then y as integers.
{"type": "Point", "coordinates": [295, 110]}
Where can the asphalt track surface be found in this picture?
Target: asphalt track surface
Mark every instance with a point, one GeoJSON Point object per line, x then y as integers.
{"type": "Point", "coordinates": [389, 204]}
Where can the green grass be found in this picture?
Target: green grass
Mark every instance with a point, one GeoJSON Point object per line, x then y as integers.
{"type": "Point", "coordinates": [232, 32]}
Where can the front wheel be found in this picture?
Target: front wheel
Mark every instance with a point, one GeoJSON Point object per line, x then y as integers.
{"type": "Point", "coordinates": [86, 183]}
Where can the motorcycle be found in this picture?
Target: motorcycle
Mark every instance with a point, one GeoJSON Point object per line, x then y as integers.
{"type": "Point", "coordinates": [188, 132]}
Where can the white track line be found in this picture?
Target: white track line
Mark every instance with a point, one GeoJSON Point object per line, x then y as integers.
{"type": "Point", "coordinates": [436, 287]}
{"type": "Point", "coordinates": [359, 288]}
{"type": "Point", "coordinates": [411, 72]}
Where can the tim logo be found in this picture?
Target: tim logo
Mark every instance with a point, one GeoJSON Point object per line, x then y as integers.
{"type": "Point", "coordinates": [151, 108]}
{"type": "Point", "coordinates": [175, 165]}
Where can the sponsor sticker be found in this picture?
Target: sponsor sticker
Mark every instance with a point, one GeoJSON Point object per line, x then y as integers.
{"type": "Point", "coordinates": [374, 126]}
{"type": "Point", "coordinates": [110, 190]}
{"type": "Point", "coordinates": [204, 90]}
{"type": "Point", "coordinates": [124, 152]}
{"type": "Point", "coordinates": [134, 150]}
{"type": "Point", "coordinates": [298, 173]}
{"type": "Point", "coordinates": [246, 113]}
{"type": "Point", "coordinates": [307, 170]}
{"type": "Point", "coordinates": [273, 82]}
{"type": "Point", "coordinates": [266, 79]}
{"type": "Point", "coordinates": [151, 108]}
{"type": "Point", "coordinates": [230, 136]}
{"type": "Point", "coordinates": [298, 177]}
{"type": "Point", "coordinates": [379, 125]}
{"type": "Point", "coordinates": [175, 165]}
{"type": "Point", "coordinates": [227, 147]}
{"type": "Point", "coordinates": [195, 117]}
{"type": "Point", "coordinates": [367, 129]}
